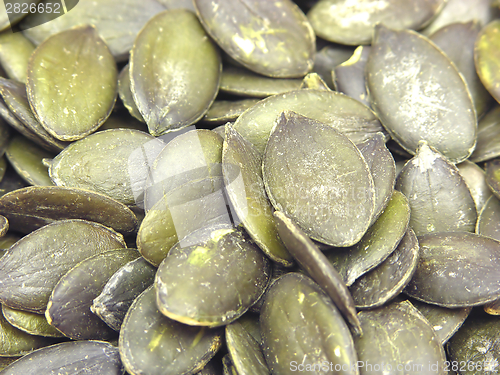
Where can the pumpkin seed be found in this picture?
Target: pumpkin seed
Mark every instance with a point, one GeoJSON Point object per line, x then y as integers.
{"type": "Point", "coordinates": [328, 191]}
{"type": "Point", "coordinates": [439, 198]}
{"type": "Point", "coordinates": [82, 357]}
{"type": "Point", "coordinates": [489, 219]}
{"type": "Point", "coordinates": [488, 137]}
{"type": "Point", "coordinates": [475, 347]}
{"type": "Point", "coordinates": [250, 323]}
{"type": "Point", "coordinates": [350, 75]}
{"type": "Point", "coordinates": [128, 17]}
{"type": "Point", "coordinates": [300, 325]}
{"type": "Point", "coordinates": [242, 82]}
{"type": "Point", "coordinates": [125, 93]}
{"type": "Point", "coordinates": [110, 162]}
{"type": "Point", "coordinates": [270, 38]}
{"type": "Point", "coordinates": [15, 50]}
{"type": "Point", "coordinates": [377, 244]}
{"type": "Point", "coordinates": [34, 324]}
{"type": "Point", "coordinates": [182, 75]}
{"type": "Point", "coordinates": [315, 82]}
{"type": "Point", "coordinates": [225, 267]}
{"type": "Point", "coordinates": [493, 176]}
{"type": "Point", "coordinates": [122, 121]}
{"type": "Point", "coordinates": [418, 94]}
{"type": "Point", "coordinates": [52, 251]}
{"type": "Point", "coordinates": [493, 308]}
{"type": "Point", "coordinates": [328, 58]}
{"type": "Point", "coordinates": [444, 321]}
{"type": "Point", "coordinates": [341, 112]}
{"type": "Point", "coordinates": [487, 58]}
{"type": "Point", "coordinates": [400, 340]}
{"type": "Point", "coordinates": [242, 169]}
{"type": "Point", "coordinates": [72, 83]}
{"type": "Point", "coordinates": [50, 203]}
{"type": "Point", "coordinates": [26, 158]}
{"type": "Point", "coordinates": [386, 281]}
{"type": "Point", "coordinates": [223, 111]}
{"type": "Point", "coordinates": [352, 22]}
{"type": "Point", "coordinates": [456, 269]}
{"type": "Point", "coordinates": [475, 178]}
{"type": "Point", "coordinates": [68, 308]}
{"type": "Point", "coordinates": [245, 352]}
{"type": "Point", "coordinates": [154, 344]}
{"type": "Point", "coordinates": [317, 266]}
{"type": "Point", "coordinates": [121, 290]}
{"type": "Point", "coordinates": [457, 42]}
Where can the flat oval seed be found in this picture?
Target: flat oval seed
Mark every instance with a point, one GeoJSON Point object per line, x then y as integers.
{"type": "Point", "coordinates": [34, 324]}
{"type": "Point", "coordinates": [350, 75]}
{"type": "Point", "coordinates": [377, 244]}
{"type": "Point", "coordinates": [439, 198]}
{"type": "Point", "coordinates": [52, 250]}
{"type": "Point", "coordinates": [72, 83]}
{"type": "Point", "coordinates": [418, 94]}
{"type": "Point", "coordinates": [15, 50]}
{"type": "Point", "coordinates": [125, 93]}
{"type": "Point", "coordinates": [82, 357]}
{"type": "Point", "coordinates": [174, 71]}
{"type": "Point", "coordinates": [488, 137]}
{"type": "Point", "coordinates": [242, 169]}
{"type": "Point", "coordinates": [475, 178]}
{"type": "Point", "coordinates": [487, 57]}
{"type": "Point", "coordinates": [315, 175]}
{"type": "Point", "coordinates": [444, 321]}
{"type": "Point", "coordinates": [68, 308]}
{"type": "Point", "coordinates": [398, 335]}
{"type": "Point", "coordinates": [226, 268]}
{"type": "Point", "coordinates": [375, 288]}
{"type": "Point", "coordinates": [488, 222]}
{"type": "Point", "coordinates": [352, 22]}
{"type": "Point", "coordinates": [46, 204]}
{"type": "Point", "coordinates": [223, 111]}
{"type": "Point", "coordinates": [339, 111]}
{"type": "Point", "coordinates": [456, 270]}
{"type": "Point", "coordinates": [270, 38]}
{"type": "Point", "coordinates": [110, 162]}
{"type": "Point", "coordinates": [300, 325]}
{"type": "Point", "coordinates": [151, 343]}
{"type": "Point", "coordinates": [317, 266]}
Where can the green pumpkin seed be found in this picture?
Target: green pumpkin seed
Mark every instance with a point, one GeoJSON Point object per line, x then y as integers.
{"type": "Point", "coordinates": [328, 58]}
{"type": "Point", "coordinates": [350, 75]}
{"type": "Point", "coordinates": [488, 137]}
{"type": "Point", "coordinates": [50, 203]}
{"type": "Point", "coordinates": [26, 158]}
{"type": "Point", "coordinates": [15, 50]}
{"type": "Point", "coordinates": [457, 42]}
{"type": "Point", "coordinates": [14, 342]}
{"type": "Point", "coordinates": [456, 269]}
{"type": "Point", "coordinates": [245, 352]}
{"type": "Point", "coordinates": [315, 82]}
{"type": "Point", "coordinates": [4, 226]}
{"type": "Point", "coordinates": [487, 58]}
{"type": "Point", "coordinates": [386, 281]}
{"type": "Point", "coordinates": [339, 111]}
{"type": "Point", "coordinates": [68, 308]}
{"type": "Point", "coordinates": [300, 325]}
{"type": "Point", "coordinates": [250, 323]}
{"type": "Point", "coordinates": [328, 191]}
{"type": "Point", "coordinates": [225, 267]}
{"type": "Point", "coordinates": [475, 178]}
{"type": "Point", "coordinates": [121, 290]}
{"type": "Point", "coordinates": [475, 347]}
{"type": "Point", "coordinates": [242, 169]}
{"type": "Point", "coordinates": [440, 200]}
{"type": "Point", "coordinates": [128, 17]}
{"type": "Point", "coordinates": [352, 22]}
{"type": "Point", "coordinates": [126, 94]}
{"type": "Point", "coordinates": [151, 343]}
{"type": "Point", "coordinates": [15, 97]}
{"type": "Point", "coordinates": [444, 321]}
{"type": "Point", "coordinates": [110, 162]}
{"type": "Point", "coordinates": [242, 82]}
{"type": "Point", "coordinates": [377, 244]}
{"type": "Point", "coordinates": [488, 222]}
{"type": "Point", "coordinates": [223, 111]}
{"type": "Point", "coordinates": [418, 94]}
{"type": "Point", "coordinates": [123, 121]}
{"type": "Point", "coordinates": [72, 83]}
{"type": "Point", "coordinates": [493, 176]}
{"type": "Point", "coordinates": [52, 250]}
{"type": "Point", "coordinates": [317, 266]}
{"type": "Point", "coordinates": [82, 357]}
{"type": "Point", "coordinates": [34, 324]}
{"type": "Point", "coordinates": [400, 340]}
{"type": "Point", "coordinates": [174, 71]}
{"type": "Point", "coordinates": [269, 38]}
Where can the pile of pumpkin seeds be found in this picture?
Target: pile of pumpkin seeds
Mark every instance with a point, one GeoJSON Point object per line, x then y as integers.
{"type": "Point", "coordinates": [251, 187]}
